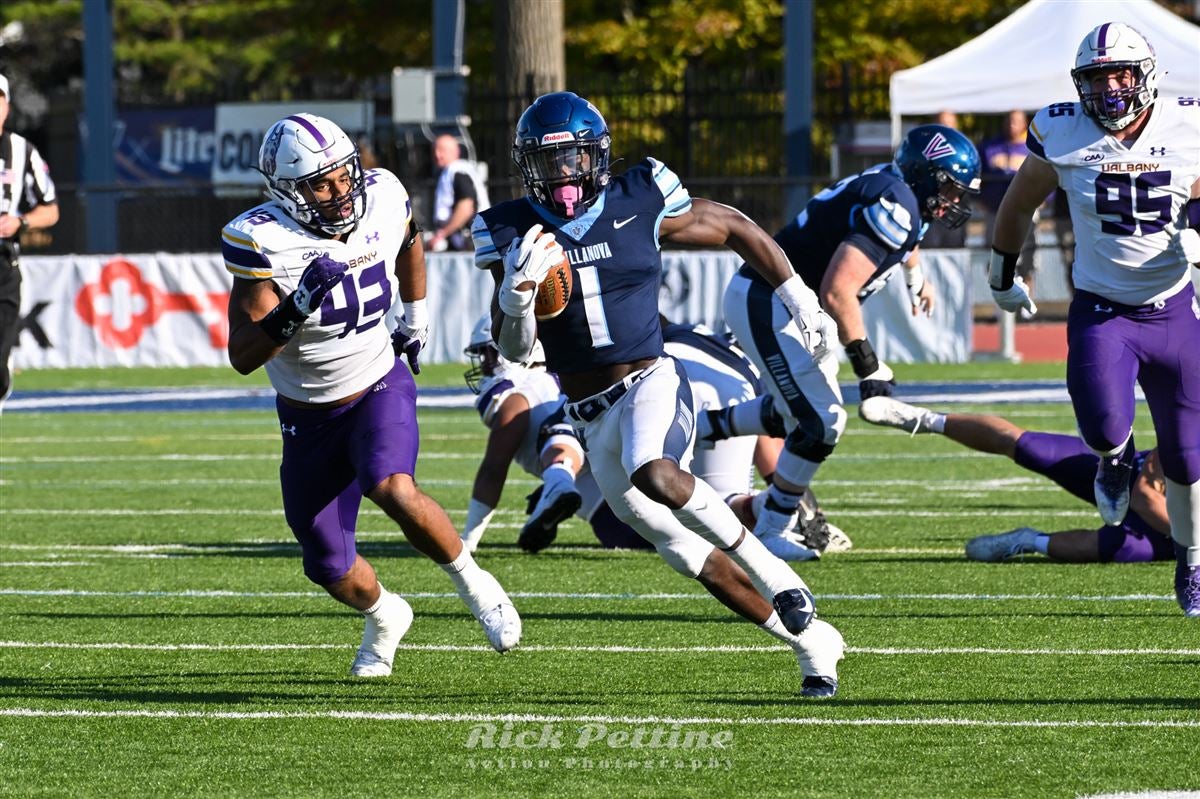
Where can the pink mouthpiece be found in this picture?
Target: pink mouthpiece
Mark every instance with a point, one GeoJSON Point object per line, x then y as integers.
{"type": "Point", "coordinates": [568, 195]}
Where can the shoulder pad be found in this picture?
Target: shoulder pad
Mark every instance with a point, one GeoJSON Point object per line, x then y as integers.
{"type": "Point", "coordinates": [890, 221]}
{"type": "Point", "coordinates": [675, 197]}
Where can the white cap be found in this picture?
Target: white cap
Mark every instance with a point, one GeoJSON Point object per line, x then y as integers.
{"type": "Point", "coordinates": [4, 87]}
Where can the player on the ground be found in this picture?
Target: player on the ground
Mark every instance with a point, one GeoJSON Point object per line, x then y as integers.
{"type": "Point", "coordinates": [315, 270]}
{"type": "Point", "coordinates": [629, 402]}
{"type": "Point", "coordinates": [844, 245]}
{"type": "Point", "coordinates": [1129, 162]}
{"type": "Point", "coordinates": [1144, 533]}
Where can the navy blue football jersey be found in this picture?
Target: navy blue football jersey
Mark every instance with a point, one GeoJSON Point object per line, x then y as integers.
{"type": "Point", "coordinates": [875, 210]}
{"type": "Point", "coordinates": [613, 248]}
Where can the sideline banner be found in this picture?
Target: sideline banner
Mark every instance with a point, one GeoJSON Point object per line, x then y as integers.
{"type": "Point", "coordinates": [158, 309]}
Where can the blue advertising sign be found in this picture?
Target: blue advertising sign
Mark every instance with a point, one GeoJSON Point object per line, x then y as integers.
{"type": "Point", "coordinates": [170, 145]}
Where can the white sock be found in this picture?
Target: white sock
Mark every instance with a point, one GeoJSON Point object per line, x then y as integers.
{"type": "Point", "coordinates": [479, 515]}
{"type": "Point", "coordinates": [478, 588]}
{"type": "Point", "coordinates": [774, 628]}
{"type": "Point", "coordinates": [1183, 508]}
{"type": "Point", "coordinates": [707, 515]}
{"type": "Point", "coordinates": [936, 422]}
{"type": "Point", "coordinates": [558, 473]}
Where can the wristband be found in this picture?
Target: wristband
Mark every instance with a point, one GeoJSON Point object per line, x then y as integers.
{"type": "Point", "coordinates": [283, 321]}
{"type": "Point", "coordinates": [415, 313]}
{"type": "Point", "coordinates": [862, 357]}
{"type": "Point", "coordinates": [1001, 270]}
{"type": "Point", "coordinates": [915, 279]}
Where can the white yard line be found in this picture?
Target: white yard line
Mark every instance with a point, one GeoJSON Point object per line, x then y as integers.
{"type": "Point", "coordinates": [613, 649]}
{"type": "Point", "coordinates": [537, 718]}
{"type": "Point", "coordinates": [70, 592]}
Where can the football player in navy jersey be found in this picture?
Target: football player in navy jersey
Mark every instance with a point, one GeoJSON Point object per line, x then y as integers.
{"type": "Point", "coordinates": [315, 270]}
{"type": "Point", "coordinates": [628, 400]}
{"type": "Point", "coordinates": [844, 245]}
{"type": "Point", "coordinates": [1129, 163]}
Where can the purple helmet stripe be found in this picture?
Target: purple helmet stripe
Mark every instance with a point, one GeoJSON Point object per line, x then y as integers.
{"type": "Point", "coordinates": [311, 128]}
{"type": "Point", "coordinates": [1100, 37]}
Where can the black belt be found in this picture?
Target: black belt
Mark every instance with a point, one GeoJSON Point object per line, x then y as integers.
{"type": "Point", "coordinates": [589, 408]}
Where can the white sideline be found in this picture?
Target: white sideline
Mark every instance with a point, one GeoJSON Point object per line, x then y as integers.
{"type": "Point", "coordinates": [70, 592]}
{"type": "Point", "coordinates": [610, 649]}
{"type": "Point", "coordinates": [536, 718]}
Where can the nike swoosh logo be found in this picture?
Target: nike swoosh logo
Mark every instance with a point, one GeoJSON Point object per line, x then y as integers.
{"type": "Point", "coordinates": [618, 225]}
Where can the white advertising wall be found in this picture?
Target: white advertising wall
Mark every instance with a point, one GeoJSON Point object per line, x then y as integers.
{"type": "Point", "coordinates": [170, 310]}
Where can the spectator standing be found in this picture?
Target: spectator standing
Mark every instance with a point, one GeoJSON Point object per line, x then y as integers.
{"type": "Point", "coordinates": [1002, 156]}
{"type": "Point", "coordinates": [457, 197]}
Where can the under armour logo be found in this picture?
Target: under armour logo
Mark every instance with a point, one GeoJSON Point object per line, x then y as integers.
{"type": "Point", "coordinates": [380, 386]}
{"type": "Point", "coordinates": [1103, 308]}
{"type": "Point", "coordinates": [1158, 151]}
{"type": "Point", "coordinates": [289, 430]}
{"type": "Point", "coordinates": [372, 236]}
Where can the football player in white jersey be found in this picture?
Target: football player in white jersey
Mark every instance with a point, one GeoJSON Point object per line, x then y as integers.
{"type": "Point", "coordinates": [315, 270]}
{"type": "Point", "coordinates": [1129, 162]}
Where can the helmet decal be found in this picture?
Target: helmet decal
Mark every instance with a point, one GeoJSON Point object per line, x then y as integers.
{"type": "Point", "coordinates": [937, 147]}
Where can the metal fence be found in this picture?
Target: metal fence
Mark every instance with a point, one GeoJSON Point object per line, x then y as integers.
{"type": "Point", "coordinates": [723, 134]}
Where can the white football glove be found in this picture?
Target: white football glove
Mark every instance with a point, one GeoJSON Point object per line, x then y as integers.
{"type": "Point", "coordinates": [528, 261]}
{"type": "Point", "coordinates": [1187, 244]}
{"type": "Point", "coordinates": [1015, 298]}
{"type": "Point", "coordinates": [813, 322]}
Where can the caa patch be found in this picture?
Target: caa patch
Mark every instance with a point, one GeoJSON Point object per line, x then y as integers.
{"type": "Point", "coordinates": [890, 221]}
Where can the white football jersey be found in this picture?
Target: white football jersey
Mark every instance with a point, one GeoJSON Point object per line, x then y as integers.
{"type": "Point", "coordinates": [345, 346]}
{"type": "Point", "coordinates": [1127, 199]}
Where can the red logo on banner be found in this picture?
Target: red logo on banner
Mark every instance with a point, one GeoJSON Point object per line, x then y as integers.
{"type": "Point", "coordinates": [147, 304]}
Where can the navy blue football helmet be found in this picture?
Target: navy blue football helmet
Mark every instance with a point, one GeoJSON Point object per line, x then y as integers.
{"type": "Point", "coordinates": [562, 148]}
{"type": "Point", "coordinates": [941, 166]}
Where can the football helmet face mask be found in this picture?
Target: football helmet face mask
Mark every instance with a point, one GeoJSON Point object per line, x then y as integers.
{"type": "Point", "coordinates": [486, 360]}
{"type": "Point", "coordinates": [562, 148]}
{"type": "Point", "coordinates": [296, 152]}
{"type": "Point", "coordinates": [1115, 47]}
{"type": "Point", "coordinates": [942, 168]}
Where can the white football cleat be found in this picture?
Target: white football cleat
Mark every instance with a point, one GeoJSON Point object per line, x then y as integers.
{"type": "Point", "coordinates": [502, 624]}
{"type": "Point", "coordinates": [1003, 546]}
{"type": "Point", "coordinates": [380, 639]}
{"type": "Point", "coordinates": [818, 649]}
{"type": "Point", "coordinates": [890, 412]}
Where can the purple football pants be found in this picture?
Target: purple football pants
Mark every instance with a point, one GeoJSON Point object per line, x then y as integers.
{"type": "Point", "coordinates": [1110, 346]}
{"type": "Point", "coordinates": [1069, 462]}
{"type": "Point", "coordinates": [333, 457]}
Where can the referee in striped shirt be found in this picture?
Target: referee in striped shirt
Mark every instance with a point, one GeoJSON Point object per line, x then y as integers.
{"type": "Point", "coordinates": [27, 200]}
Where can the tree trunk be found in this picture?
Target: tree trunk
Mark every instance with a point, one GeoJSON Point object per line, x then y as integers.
{"type": "Point", "coordinates": [531, 60]}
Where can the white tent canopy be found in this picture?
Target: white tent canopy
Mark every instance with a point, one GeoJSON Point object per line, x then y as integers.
{"type": "Point", "coordinates": [1025, 60]}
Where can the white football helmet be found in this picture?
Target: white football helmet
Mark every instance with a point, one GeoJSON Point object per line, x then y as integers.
{"type": "Point", "coordinates": [300, 148]}
{"type": "Point", "coordinates": [486, 360]}
{"type": "Point", "coordinates": [1116, 45]}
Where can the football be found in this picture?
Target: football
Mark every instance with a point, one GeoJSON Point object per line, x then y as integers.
{"type": "Point", "coordinates": [554, 291]}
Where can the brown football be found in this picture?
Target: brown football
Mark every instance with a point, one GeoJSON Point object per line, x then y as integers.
{"type": "Point", "coordinates": [554, 291]}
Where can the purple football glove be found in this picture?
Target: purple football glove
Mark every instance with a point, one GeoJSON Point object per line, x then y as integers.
{"type": "Point", "coordinates": [408, 342]}
{"type": "Point", "coordinates": [317, 281]}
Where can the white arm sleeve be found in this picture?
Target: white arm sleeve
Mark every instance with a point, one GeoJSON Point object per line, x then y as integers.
{"type": "Point", "coordinates": [517, 335]}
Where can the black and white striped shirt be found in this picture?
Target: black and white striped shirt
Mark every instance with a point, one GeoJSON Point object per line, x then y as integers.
{"type": "Point", "coordinates": [24, 177]}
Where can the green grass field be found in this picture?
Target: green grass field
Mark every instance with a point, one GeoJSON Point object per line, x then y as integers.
{"type": "Point", "coordinates": [158, 638]}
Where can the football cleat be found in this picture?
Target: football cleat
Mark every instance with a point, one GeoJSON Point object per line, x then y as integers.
{"type": "Point", "coordinates": [1113, 479]}
{"type": "Point", "coordinates": [890, 412]}
{"type": "Point", "coordinates": [380, 639]}
{"type": "Point", "coordinates": [1187, 583]}
{"type": "Point", "coordinates": [1004, 546]}
{"type": "Point", "coordinates": [817, 533]}
{"type": "Point", "coordinates": [818, 650]}
{"type": "Point", "coordinates": [502, 624]}
{"type": "Point", "coordinates": [555, 505]}
{"type": "Point", "coordinates": [796, 609]}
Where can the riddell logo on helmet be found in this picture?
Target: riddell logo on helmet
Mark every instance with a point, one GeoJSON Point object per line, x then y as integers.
{"type": "Point", "coordinates": [553, 138]}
